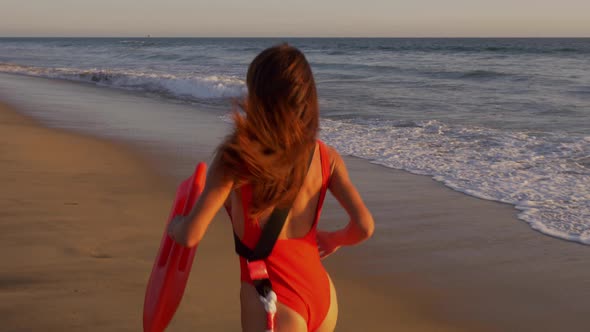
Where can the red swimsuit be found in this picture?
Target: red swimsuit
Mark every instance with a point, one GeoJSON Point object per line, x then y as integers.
{"type": "Point", "coordinates": [296, 272]}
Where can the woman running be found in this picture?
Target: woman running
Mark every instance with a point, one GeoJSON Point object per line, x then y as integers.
{"type": "Point", "coordinates": [274, 160]}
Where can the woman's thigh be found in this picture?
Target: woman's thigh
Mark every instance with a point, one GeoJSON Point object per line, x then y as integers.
{"type": "Point", "coordinates": [329, 323]}
{"type": "Point", "coordinates": [254, 316]}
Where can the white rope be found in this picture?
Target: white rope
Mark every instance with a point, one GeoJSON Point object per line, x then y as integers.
{"type": "Point", "coordinates": [270, 306]}
{"type": "Point", "coordinates": [270, 302]}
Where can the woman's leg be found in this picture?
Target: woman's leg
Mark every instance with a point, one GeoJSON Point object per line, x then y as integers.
{"type": "Point", "coordinates": [329, 323]}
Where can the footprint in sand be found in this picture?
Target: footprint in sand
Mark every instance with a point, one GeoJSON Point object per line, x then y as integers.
{"type": "Point", "coordinates": [12, 282]}
{"type": "Point", "coordinates": [99, 254]}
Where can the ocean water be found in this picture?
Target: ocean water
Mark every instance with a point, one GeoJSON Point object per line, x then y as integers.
{"type": "Point", "coordinates": [500, 119]}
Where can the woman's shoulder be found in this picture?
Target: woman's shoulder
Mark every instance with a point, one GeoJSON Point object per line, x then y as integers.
{"type": "Point", "coordinates": [334, 155]}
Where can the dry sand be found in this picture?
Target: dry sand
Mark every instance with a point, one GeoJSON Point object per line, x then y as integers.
{"type": "Point", "coordinates": [81, 219]}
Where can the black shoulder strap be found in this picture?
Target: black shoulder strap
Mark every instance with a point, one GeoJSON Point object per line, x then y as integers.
{"type": "Point", "coordinates": [268, 238]}
{"type": "Point", "coordinates": [270, 232]}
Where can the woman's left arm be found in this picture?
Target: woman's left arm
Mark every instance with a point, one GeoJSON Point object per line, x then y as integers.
{"type": "Point", "coordinates": [189, 230]}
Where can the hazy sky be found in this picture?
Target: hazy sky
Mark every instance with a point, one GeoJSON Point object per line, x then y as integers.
{"type": "Point", "coordinates": [241, 18]}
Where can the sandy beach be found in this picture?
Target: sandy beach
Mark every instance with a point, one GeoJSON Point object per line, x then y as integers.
{"type": "Point", "coordinates": [81, 221]}
{"type": "Point", "coordinates": [82, 215]}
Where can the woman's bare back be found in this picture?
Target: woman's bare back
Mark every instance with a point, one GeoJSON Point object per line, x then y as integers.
{"type": "Point", "coordinates": [303, 211]}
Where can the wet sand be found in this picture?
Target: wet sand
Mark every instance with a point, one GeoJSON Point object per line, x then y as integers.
{"type": "Point", "coordinates": [81, 219]}
{"type": "Point", "coordinates": [465, 259]}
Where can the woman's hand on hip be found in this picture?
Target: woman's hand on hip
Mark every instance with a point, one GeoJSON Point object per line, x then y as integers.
{"type": "Point", "coordinates": [327, 243]}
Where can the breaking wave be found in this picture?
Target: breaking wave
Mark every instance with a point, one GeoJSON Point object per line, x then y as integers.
{"type": "Point", "coordinates": [192, 87]}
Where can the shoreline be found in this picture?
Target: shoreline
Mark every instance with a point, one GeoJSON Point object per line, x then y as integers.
{"type": "Point", "coordinates": [531, 211]}
{"type": "Point", "coordinates": [440, 261]}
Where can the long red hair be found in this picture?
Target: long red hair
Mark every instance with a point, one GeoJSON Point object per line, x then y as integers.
{"type": "Point", "coordinates": [272, 141]}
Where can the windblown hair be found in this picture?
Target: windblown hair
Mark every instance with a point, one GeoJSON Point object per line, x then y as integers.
{"type": "Point", "coordinates": [273, 140]}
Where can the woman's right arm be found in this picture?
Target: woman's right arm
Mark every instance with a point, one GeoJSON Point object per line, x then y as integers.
{"type": "Point", "coordinates": [361, 225]}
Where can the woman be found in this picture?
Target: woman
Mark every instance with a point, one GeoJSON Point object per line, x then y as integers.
{"type": "Point", "coordinates": [265, 164]}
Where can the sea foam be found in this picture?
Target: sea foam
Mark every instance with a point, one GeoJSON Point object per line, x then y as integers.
{"type": "Point", "coordinates": [178, 86]}
{"type": "Point", "coordinates": [546, 177]}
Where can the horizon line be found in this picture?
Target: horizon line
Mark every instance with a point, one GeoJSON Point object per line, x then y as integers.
{"type": "Point", "coordinates": [309, 37]}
